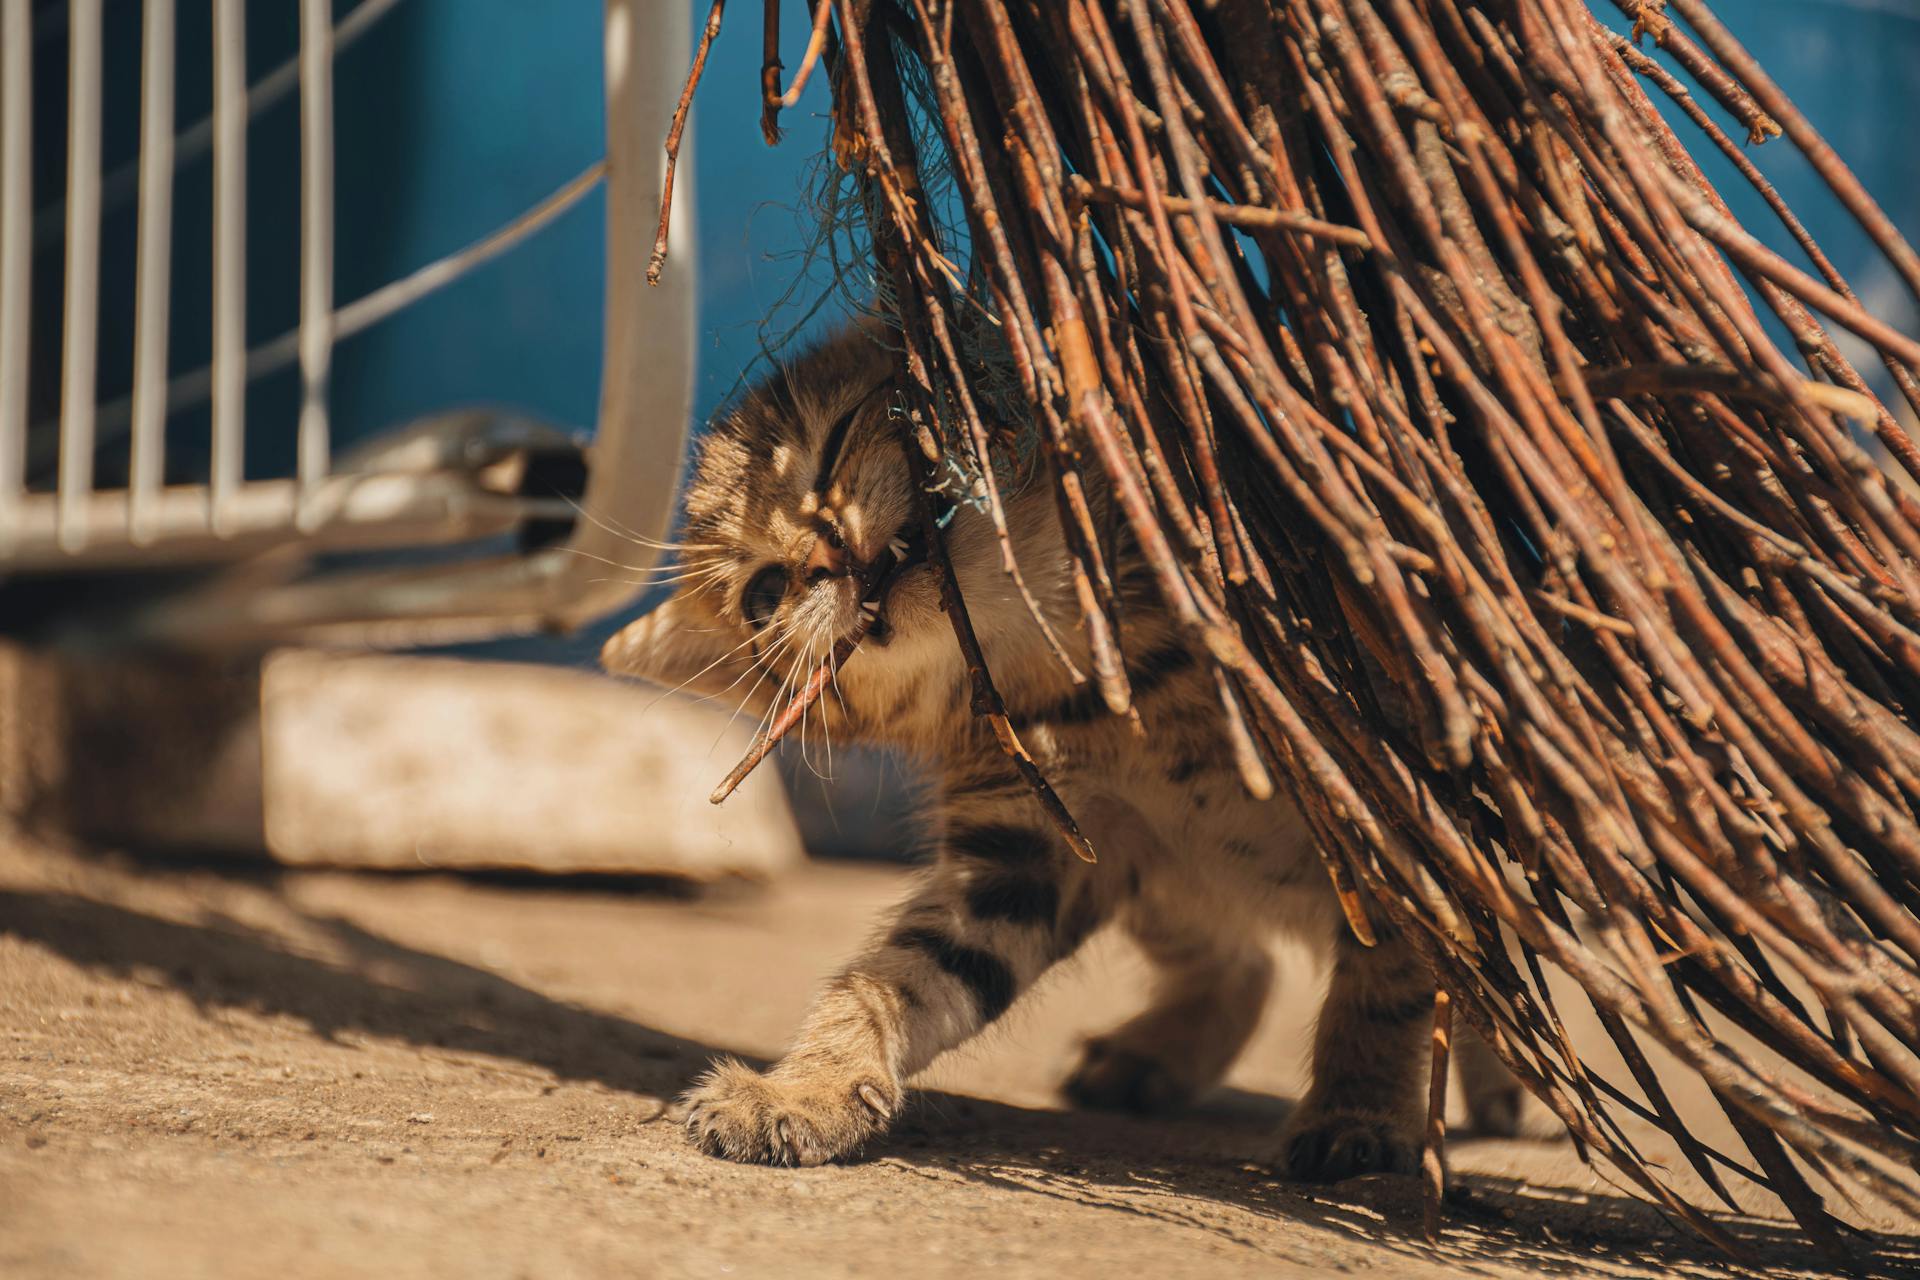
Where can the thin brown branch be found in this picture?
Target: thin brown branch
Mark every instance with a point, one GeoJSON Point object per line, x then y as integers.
{"type": "Point", "coordinates": [659, 260]}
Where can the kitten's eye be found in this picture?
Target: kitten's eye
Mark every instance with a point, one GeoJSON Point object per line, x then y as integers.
{"type": "Point", "coordinates": [765, 590]}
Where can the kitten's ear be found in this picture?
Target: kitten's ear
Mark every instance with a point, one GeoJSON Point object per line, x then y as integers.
{"type": "Point", "coordinates": [681, 648]}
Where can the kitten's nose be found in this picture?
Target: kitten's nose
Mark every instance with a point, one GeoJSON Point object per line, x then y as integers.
{"type": "Point", "coordinates": [828, 559]}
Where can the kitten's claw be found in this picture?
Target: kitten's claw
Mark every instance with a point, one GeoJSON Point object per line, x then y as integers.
{"type": "Point", "coordinates": [899, 548]}
{"type": "Point", "coordinates": [871, 1096]}
{"type": "Point", "coordinates": [738, 1114]}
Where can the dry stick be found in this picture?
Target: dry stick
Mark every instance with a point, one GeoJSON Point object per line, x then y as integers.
{"type": "Point", "coordinates": [816, 43]}
{"type": "Point", "coordinates": [1210, 267]}
{"type": "Point", "coordinates": [770, 67]}
{"type": "Point", "coordinates": [659, 260]}
{"type": "Point", "coordinates": [1732, 93]}
{"type": "Point", "coordinates": [808, 694]}
{"type": "Point", "coordinates": [1722, 381]}
{"type": "Point", "coordinates": [1590, 439]}
{"type": "Point", "coordinates": [1251, 217]}
{"type": "Point", "coordinates": [1433, 1153]}
{"type": "Point", "coordinates": [986, 698]}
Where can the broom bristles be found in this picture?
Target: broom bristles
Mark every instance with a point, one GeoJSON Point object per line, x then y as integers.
{"type": "Point", "coordinates": [1439, 389]}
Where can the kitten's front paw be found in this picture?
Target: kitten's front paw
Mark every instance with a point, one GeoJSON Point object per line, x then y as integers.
{"type": "Point", "coordinates": [737, 1113]}
{"type": "Point", "coordinates": [1327, 1147]}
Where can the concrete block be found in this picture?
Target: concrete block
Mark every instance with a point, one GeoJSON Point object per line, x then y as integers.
{"type": "Point", "coordinates": [409, 762]}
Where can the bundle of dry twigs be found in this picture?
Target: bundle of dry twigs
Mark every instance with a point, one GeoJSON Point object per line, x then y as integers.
{"type": "Point", "coordinates": [1440, 389]}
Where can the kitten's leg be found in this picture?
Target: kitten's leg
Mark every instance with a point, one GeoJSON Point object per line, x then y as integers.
{"type": "Point", "coordinates": [1000, 907]}
{"type": "Point", "coordinates": [1366, 1108]}
{"type": "Point", "coordinates": [1498, 1105]}
{"type": "Point", "coordinates": [1209, 992]}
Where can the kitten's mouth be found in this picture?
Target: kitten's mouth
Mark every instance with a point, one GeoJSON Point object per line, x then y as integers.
{"type": "Point", "coordinates": [905, 551]}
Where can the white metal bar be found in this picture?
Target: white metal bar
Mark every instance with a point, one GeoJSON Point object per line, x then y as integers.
{"type": "Point", "coordinates": [374, 510]}
{"type": "Point", "coordinates": [197, 138]}
{"type": "Point", "coordinates": [16, 250]}
{"type": "Point", "coordinates": [229, 254]}
{"type": "Point", "coordinates": [82, 329]}
{"type": "Point", "coordinates": [368, 310]}
{"type": "Point", "coordinates": [646, 367]}
{"type": "Point", "coordinates": [156, 246]}
{"type": "Point", "coordinates": [316, 242]}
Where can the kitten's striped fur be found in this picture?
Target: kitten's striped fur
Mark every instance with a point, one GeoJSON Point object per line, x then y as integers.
{"type": "Point", "coordinates": [1196, 871]}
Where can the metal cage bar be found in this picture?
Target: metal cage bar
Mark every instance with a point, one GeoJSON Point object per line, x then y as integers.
{"type": "Point", "coordinates": [229, 256]}
{"type": "Point", "coordinates": [16, 252]}
{"type": "Point", "coordinates": [316, 245]}
{"type": "Point", "coordinates": [80, 350]}
{"type": "Point", "coordinates": [146, 468]}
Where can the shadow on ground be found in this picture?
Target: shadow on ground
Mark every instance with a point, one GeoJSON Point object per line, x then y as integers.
{"type": "Point", "coordinates": [1157, 1168]}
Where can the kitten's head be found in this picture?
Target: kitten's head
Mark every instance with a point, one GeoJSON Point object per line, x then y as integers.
{"type": "Point", "coordinates": [794, 495]}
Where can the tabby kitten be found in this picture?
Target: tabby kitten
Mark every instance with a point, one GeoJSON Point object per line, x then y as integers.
{"type": "Point", "coordinates": [794, 495]}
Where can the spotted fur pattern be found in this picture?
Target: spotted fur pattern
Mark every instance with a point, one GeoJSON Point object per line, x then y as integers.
{"type": "Point", "coordinates": [792, 492]}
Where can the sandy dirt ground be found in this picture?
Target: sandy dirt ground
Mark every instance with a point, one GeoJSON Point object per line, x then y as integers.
{"type": "Point", "coordinates": [314, 1074]}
